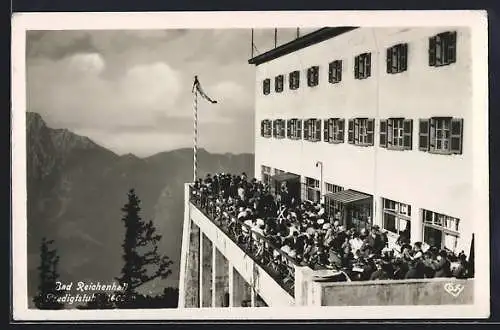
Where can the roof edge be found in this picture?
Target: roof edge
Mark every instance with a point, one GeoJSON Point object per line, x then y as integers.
{"type": "Point", "coordinates": [301, 42]}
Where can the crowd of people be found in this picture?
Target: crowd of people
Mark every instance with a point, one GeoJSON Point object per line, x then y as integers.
{"type": "Point", "coordinates": [278, 231]}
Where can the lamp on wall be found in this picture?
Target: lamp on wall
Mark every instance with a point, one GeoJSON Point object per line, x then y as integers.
{"type": "Point", "coordinates": [318, 164]}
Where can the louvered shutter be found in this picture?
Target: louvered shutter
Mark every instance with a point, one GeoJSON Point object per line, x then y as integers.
{"type": "Point", "coordinates": [325, 130]}
{"type": "Point", "coordinates": [423, 135]}
{"type": "Point", "coordinates": [289, 128]}
{"type": "Point", "coordinates": [456, 136]}
{"type": "Point", "coordinates": [262, 128]}
{"type": "Point", "coordinates": [350, 131]}
{"type": "Point", "coordinates": [275, 131]}
{"type": "Point", "coordinates": [340, 137]}
{"type": "Point", "coordinates": [309, 77]}
{"type": "Point", "coordinates": [432, 134]}
{"type": "Point", "coordinates": [306, 129]}
{"type": "Point", "coordinates": [389, 60]}
{"type": "Point", "coordinates": [318, 130]}
{"type": "Point", "coordinates": [356, 67]}
{"type": "Point", "coordinates": [290, 80]}
{"type": "Point", "coordinates": [383, 133]}
{"type": "Point", "coordinates": [404, 57]}
{"type": "Point", "coordinates": [407, 133]}
{"type": "Point", "coordinates": [356, 131]}
{"type": "Point", "coordinates": [370, 128]}
{"type": "Point", "coordinates": [331, 72]}
{"type": "Point", "coordinates": [368, 63]}
{"type": "Point", "coordinates": [451, 47]}
{"type": "Point", "coordinates": [432, 51]}
{"type": "Point", "coordinates": [282, 126]}
{"type": "Point", "coordinates": [338, 71]}
{"type": "Point", "coordinates": [390, 133]}
{"type": "Point", "coordinates": [299, 128]}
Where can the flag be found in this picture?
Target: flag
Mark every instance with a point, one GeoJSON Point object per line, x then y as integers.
{"type": "Point", "coordinates": [197, 86]}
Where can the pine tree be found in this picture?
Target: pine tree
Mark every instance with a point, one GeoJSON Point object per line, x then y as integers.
{"type": "Point", "coordinates": [48, 275]}
{"type": "Point", "coordinates": [143, 262]}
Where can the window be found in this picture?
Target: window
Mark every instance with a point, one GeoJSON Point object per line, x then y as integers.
{"type": "Point", "coordinates": [441, 135]}
{"type": "Point", "coordinates": [332, 188]}
{"type": "Point", "coordinates": [313, 76]}
{"type": "Point", "coordinates": [312, 190]}
{"type": "Point", "coordinates": [266, 174]}
{"type": "Point", "coordinates": [312, 130]}
{"type": "Point", "coordinates": [277, 171]}
{"type": "Point", "coordinates": [333, 130]}
{"type": "Point", "coordinates": [278, 83]}
{"type": "Point", "coordinates": [266, 128]}
{"type": "Point", "coordinates": [279, 128]}
{"type": "Point", "coordinates": [362, 66]}
{"type": "Point", "coordinates": [294, 129]}
{"type": "Point", "coordinates": [294, 79]}
{"type": "Point", "coordinates": [440, 230]}
{"type": "Point", "coordinates": [266, 86]}
{"type": "Point", "coordinates": [397, 58]}
{"type": "Point", "coordinates": [396, 133]}
{"type": "Point", "coordinates": [397, 218]}
{"type": "Point", "coordinates": [335, 72]}
{"type": "Point", "coordinates": [360, 131]}
{"type": "Point", "coordinates": [443, 49]}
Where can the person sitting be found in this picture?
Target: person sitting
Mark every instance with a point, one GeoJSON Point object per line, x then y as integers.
{"type": "Point", "coordinates": [442, 265]}
{"type": "Point", "coordinates": [379, 273]}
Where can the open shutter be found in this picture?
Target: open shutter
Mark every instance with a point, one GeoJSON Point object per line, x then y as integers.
{"type": "Point", "coordinates": [299, 128]}
{"type": "Point", "coordinates": [456, 135]}
{"type": "Point", "coordinates": [318, 130]}
{"type": "Point", "coordinates": [289, 128]}
{"type": "Point", "coordinates": [356, 131]}
{"type": "Point", "coordinates": [423, 135]}
{"type": "Point", "coordinates": [451, 47]}
{"type": "Point", "coordinates": [325, 130]}
{"type": "Point", "coordinates": [370, 128]}
{"type": "Point", "coordinates": [282, 128]}
{"type": "Point", "coordinates": [331, 72]}
{"type": "Point", "coordinates": [262, 128]}
{"type": "Point", "coordinates": [290, 80]}
{"type": "Point", "coordinates": [275, 131]}
{"type": "Point", "coordinates": [389, 60]}
{"type": "Point", "coordinates": [356, 67]}
{"type": "Point", "coordinates": [306, 129]}
{"type": "Point", "coordinates": [350, 131]}
{"type": "Point", "coordinates": [432, 51]}
{"type": "Point", "coordinates": [390, 133]}
{"type": "Point", "coordinates": [341, 125]}
{"type": "Point", "coordinates": [316, 75]}
{"type": "Point", "coordinates": [368, 63]}
{"type": "Point", "coordinates": [309, 77]}
{"type": "Point", "coordinates": [383, 133]}
{"type": "Point", "coordinates": [432, 134]}
{"type": "Point", "coordinates": [407, 133]}
{"type": "Point", "coordinates": [297, 79]}
{"type": "Point", "coordinates": [404, 57]}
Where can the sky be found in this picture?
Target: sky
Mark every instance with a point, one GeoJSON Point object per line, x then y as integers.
{"type": "Point", "coordinates": [130, 90]}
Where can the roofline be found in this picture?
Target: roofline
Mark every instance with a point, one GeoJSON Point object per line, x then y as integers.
{"type": "Point", "coordinates": [301, 42]}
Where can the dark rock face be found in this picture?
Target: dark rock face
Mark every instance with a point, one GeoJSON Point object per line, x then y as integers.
{"type": "Point", "coordinates": [76, 189]}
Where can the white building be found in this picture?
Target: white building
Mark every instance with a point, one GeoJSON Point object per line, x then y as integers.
{"type": "Point", "coordinates": [398, 108]}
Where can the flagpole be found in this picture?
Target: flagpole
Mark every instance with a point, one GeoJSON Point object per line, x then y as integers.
{"type": "Point", "coordinates": [195, 144]}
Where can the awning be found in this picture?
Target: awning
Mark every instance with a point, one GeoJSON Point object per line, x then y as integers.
{"type": "Point", "coordinates": [285, 177]}
{"type": "Point", "coordinates": [347, 196]}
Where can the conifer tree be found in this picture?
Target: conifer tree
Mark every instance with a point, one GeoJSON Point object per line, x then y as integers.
{"type": "Point", "coordinates": [48, 276]}
{"type": "Point", "coordinates": [142, 261]}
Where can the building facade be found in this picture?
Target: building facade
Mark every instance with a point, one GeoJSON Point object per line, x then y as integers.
{"type": "Point", "coordinates": [387, 114]}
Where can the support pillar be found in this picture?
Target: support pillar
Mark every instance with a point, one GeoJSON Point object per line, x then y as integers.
{"type": "Point", "coordinates": [192, 285]}
{"type": "Point", "coordinates": [206, 271]}
{"type": "Point", "coordinates": [231, 284]}
{"type": "Point", "coordinates": [242, 291]}
{"type": "Point", "coordinates": [220, 279]}
{"type": "Point", "coordinates": [417, 230]}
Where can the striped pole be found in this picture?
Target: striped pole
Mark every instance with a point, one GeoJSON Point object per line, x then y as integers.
{"type": "Point", "coordinates": [195, 146]}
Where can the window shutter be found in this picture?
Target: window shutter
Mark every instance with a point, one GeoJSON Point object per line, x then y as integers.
{"type": "Point", "coordinates": [262, 128]}
{"type": "Point", "coordinates": [356, 67]}
{"type": "Point", "coordinates": [297, 79]}
{"type": "Point", "coordinates": [318, 130]}
{"type": "Point", "coordinates": [331, 72]}
{"type": "Point", "coordinates": [274, 128]}
{"type": "Point", "coordinates": [383, 133]}
{"type": "Point", "coordinates": [289, 128]}
{"type": "Point", "coordinates": [350, 131]}
{"type": "Point", "coordinates": [423, 135]}
{"type": "Point", "coordinates": [282, 128]}
{"type": "Point", "coordinates": [309, 77]}
{"type": "Point", "coordinates": [316, 75]}
{"type": "Point", "coordinates": [451, 48]}
{"type": "Point", "coordinates": [290, 80]}
{"type": "Point", "coordinates": [432, 134]}
{"type": "Point", "coordinates": [368, 64]}
{"type": "Point", "coordinates": [306, 129]}
{"type": "Point", "coordinates": [404, 57]}
{"type": "Point", "coordinates": [299, 128]}
{"type": "Point", "coordinates": [338, 73]}
{"type": "Point", "coordinates": [341, 124]}
{"type": "Point", "coordinates": [370, 127]}
{"type": "Point", "coordinates": [356, 131]}
{"type": "Point", "coordinates": [432, 51]}
{"type": "Point", "coordinates": [456, 135]}
{"type": "Point", "coordinates": [390, 133]}
{"type": "Point", "coordinates": [407, 133]}
{"type": "Point", "coordinates": [389, 60]}
{"type": "Point", "coordinates": [325, 130]}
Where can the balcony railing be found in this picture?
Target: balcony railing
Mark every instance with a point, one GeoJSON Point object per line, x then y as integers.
{"type": "Point", "coordinates": [278, 264]}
